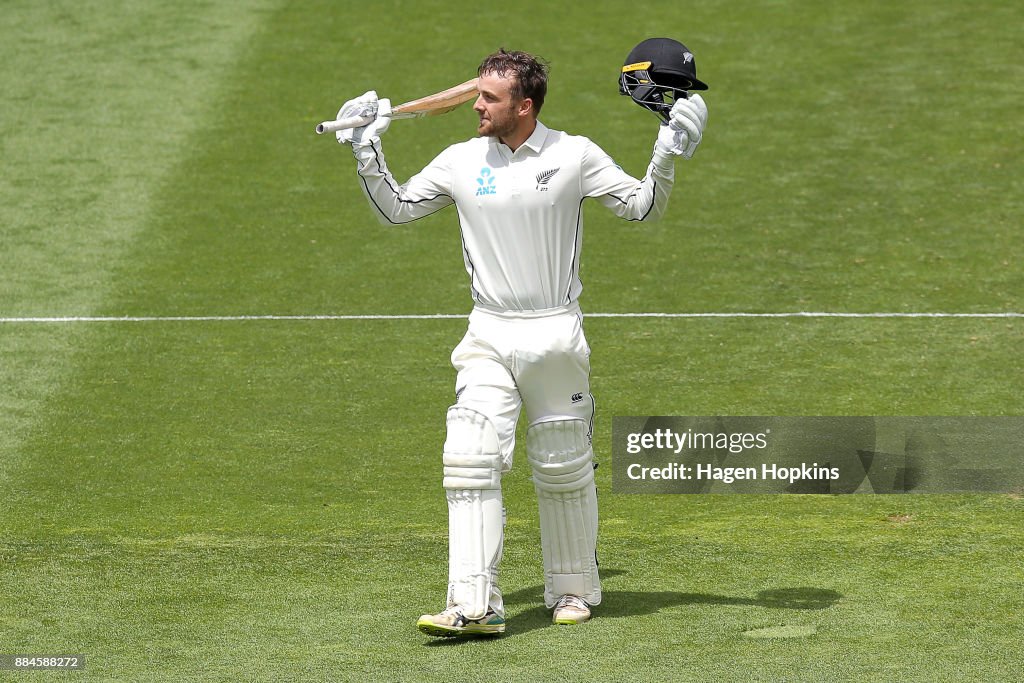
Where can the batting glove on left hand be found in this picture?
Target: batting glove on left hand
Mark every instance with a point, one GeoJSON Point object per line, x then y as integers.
{"type": "Point", "coordinates": [685, 127]}
{"type": "Point", "coordinates": [365, 105]}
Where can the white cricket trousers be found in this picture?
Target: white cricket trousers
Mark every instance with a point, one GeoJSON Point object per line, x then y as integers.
{"type": "Point", "coordinates": [536, 359]}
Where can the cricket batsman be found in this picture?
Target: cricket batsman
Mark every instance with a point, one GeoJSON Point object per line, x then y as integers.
{"type": "Point", "coordinates": [519, 189]}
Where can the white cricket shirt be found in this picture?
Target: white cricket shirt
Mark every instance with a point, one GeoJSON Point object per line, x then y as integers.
{"type": "Point", "coordinates": [520, 212]}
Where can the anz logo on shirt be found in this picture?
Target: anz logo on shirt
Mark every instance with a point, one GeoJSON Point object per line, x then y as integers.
{"type": "Point", "coordinates": [486, 182]}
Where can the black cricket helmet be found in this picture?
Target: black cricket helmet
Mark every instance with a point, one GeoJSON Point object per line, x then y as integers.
{"type": "Point", "coordinates": [658, 72]}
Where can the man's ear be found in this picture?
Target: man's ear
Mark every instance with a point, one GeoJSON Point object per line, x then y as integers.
{"type": "Point", "coordinates": [525, 106]}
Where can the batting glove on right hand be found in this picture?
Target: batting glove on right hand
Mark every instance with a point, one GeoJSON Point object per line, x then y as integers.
{"type": "Point", "coordinates": [685, 127]}
{"type": "Point", "coordinates": [365, 105]}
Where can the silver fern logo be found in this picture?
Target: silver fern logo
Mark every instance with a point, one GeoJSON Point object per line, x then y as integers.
{"type": "Point", "coordinates": [544, 178]}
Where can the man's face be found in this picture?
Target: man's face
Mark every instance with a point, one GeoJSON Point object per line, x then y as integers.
{"type": "Point", "coordinates": [497, 109]}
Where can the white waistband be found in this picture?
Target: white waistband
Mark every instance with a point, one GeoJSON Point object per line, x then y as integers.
{"type": "Point", "coordinates": [570, 309]}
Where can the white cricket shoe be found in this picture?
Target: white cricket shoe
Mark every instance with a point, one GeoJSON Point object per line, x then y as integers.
{"type": "Point", "coordinates": [571, 609]}
{"type": "Point", "coordinates": [452, 622]}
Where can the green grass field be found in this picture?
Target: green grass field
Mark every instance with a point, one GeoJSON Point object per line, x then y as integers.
{"type": "Point", "coordinates": [233, 500]}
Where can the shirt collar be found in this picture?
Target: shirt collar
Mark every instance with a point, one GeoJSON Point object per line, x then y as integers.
{"type": "Point", "coordinates": [537, 138]}
{"type": "Point", "coordinates": [535, 143]}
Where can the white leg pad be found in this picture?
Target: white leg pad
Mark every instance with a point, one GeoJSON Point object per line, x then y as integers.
{"type": "Point", "coordinates": [472, 457]}
{"type": "Point", "coordinates": [472, 479]}
{"type": "Point", "coordinates": [562, 461]}
{"type": "Point", "coordinates": [475, 539]}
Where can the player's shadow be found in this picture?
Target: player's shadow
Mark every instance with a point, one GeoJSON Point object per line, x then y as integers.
{"type": "Point", "coordinates": [616, 604]}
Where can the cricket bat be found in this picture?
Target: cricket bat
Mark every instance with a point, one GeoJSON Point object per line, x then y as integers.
{"type": "Point", "coordinates": [431, 105]}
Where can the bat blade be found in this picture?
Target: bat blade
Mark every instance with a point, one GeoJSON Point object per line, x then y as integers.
{"type": "Point", "coordinates": [431, 105]}
{"type": "Point", "coordinates": [440, 103]}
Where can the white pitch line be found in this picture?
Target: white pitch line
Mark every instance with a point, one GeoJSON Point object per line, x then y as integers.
{"type": "Point", "coordinates": [804, 314]}
{"type": "Point", "coordinates": [463, 316]}
{"type": "Point", "coordinates": [221, 318]}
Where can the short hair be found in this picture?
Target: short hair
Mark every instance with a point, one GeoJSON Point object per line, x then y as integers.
{"type": "Point", "coordinates": [530, 74]}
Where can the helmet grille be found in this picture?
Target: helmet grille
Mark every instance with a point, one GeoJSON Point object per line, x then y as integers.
{"type": "Point", "coordinates": [655, 97]}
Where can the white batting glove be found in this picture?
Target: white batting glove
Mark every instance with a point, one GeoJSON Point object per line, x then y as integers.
{"type": "Point", "coordinates": [685, 127]}
{"type": "Point", "coordinates": [365, 105]}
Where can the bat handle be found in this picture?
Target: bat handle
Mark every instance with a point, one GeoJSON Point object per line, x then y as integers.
{"type": "Point", "coordinates": [342, 124]}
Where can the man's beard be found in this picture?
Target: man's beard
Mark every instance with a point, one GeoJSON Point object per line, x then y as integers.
{"type": "Point", "coordinates": [500, 127]}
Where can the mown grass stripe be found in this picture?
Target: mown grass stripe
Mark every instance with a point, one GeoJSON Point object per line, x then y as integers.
{"type": "Point", "coordinates": [457, 316]}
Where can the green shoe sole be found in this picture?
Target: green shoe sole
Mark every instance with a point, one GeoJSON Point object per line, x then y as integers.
{"type": "Point", "coordinates": [430, 628]}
